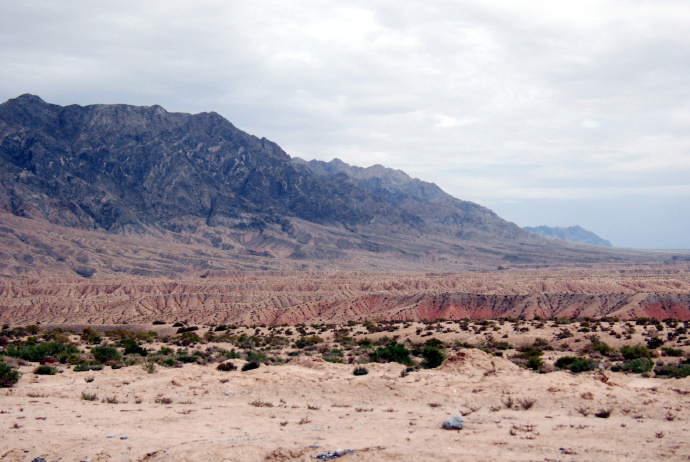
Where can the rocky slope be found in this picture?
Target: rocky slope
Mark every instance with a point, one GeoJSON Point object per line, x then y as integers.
{"type": "Point", "coordinates": [574, 234]}
{"type": "Point", "coordinates": [141, 191]}
{"type": "Point", "coordinates": [259, 298]}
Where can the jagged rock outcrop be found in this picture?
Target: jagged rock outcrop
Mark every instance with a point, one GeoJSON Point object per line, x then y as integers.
{"type": "Point", "coordinates": [177, 194]}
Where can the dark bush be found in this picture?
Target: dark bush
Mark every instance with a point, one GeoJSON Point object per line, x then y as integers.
{"type": "Point", "coordinates": [638, 366]}
{"type": "Point", "coordinates": [182, 330]}
{"type": "Point", "coordinates": [37, 352]}
{"type": "Point", "coordinates": [8, 375]}
{"type": "Point", "coordinates": [673, 370]}
{"type": "Point", "coordinates": [178, 324]}
{"type": "Point", "coordinates": [576, 365]}
{"type": "Point", "coordinates": [673, 352]}
{"type": "Point", "coordinates": [433, 357]}
{"type": "Point", "coordinates": [654, 342]}
{"type": "Point", "coordinates": [360, 371]}
{"type": "Point", "coordinates": [45, 370]}
{"type": "Point", "coordinates": [635, 352]}
{"type": "Point", "coordinates": [105, 353]}
{"type": "Point", "coordinates": [132, 347]}
{"type": "Point", "coordinates": [393, 353]}
{"type": "Point", "coordinates": [88, 366]}
{"type": "Point", "coordinates": [250, 365]}
{"type": "Point", "coordinates": [226, 367]}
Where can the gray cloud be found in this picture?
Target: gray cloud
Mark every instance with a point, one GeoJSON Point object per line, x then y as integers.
{"type": "Point", "coordinates": [539, 110]}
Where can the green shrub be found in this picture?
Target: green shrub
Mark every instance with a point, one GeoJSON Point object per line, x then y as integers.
{"type": "Point", "coordinates": [258, 356]}
{"type": "Point", "coordinates": [674, 370]}
{"type": "Point", "coordinates": [105, 353]}
{"type": "Point", "coordinates": [535, 363]}
{"type": "Point", "coordinates": [88, 366]}
{"type": "Point", "coordinates": [392, 353]}
{"type": "Point", "coordinates": [360, 371]}
{"type": "Point", "coordinates": [654, 342]}
{"type": "Point", "coordinates": [638, 366]}
{"type": "Point", "coordinates": [8, 375]}
{"type": "Point", "coordinates": [45, 370]}
{"type": "Point", "coordinates": [576, 365]}
{"type": "Point", "coordinates": [132, 347]}
{"type": "Point", "coordinates": [37, 352]}
{"type": "Point", "coordinates": [168, 362]}
{"type": "Point", "coordinates": [673, 352]}
{"type": "Point", "coordinates": [635, 352]}
{"type": "Point", "coordinates": [432, 357]}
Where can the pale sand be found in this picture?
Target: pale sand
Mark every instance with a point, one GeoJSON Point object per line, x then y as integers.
{"type": "Point", "coordinates": [381, 416]}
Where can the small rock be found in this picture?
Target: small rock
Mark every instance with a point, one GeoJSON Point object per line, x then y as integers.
{"type": "Point", "coordinates": [110, 436]}
{"type": "Point", "coordinates": [334, 454]}
{"type": "Point", "coordinates": [123, 437]}
{"type": "Point", "coordinates": [228, 393]}
{"type": "Point", "coordinates": [39, 459]}
{"type": "Point", "coordinates": [454, 423]}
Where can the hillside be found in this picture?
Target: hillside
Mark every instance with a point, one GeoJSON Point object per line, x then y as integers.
{"type": "Point", "coordinates": [574, 234]}
{"type": "Point", "coordinates": [116, 189]}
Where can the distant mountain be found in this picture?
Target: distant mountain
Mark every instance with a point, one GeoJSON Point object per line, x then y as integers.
{"type": "Point", "coordinates": [105, 189]}
{"type": "Point", "coordinates": [574, 234]}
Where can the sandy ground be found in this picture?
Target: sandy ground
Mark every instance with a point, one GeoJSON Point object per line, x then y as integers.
{"type": "Point", "coordinates": [317, 407]}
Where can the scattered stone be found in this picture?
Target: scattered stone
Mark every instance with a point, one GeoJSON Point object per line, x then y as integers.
{"type": "Point", "coordinates": [39, 459]}
{"type": "Point", "coordinates": [334, 454]}
{"type": "Point", "coordinates": [454, 423]}
{"type": "Point", "coordinates": [110, 436]}
{"type": "Point", "coordinates": [123, 437]}
{"type": "Point", "coordinates": [228, 393]}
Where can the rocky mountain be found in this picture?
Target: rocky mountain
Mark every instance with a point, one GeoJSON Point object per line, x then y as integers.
{"type": "Point", "coordinates": [116, 188]}
{"type": "Point", "coordinates": [574, 234]}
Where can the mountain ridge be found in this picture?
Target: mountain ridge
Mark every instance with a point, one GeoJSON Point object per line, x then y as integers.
{"type": "Point", "coordinates": [575, 234]}
{"type": "Point", "coordinates": [195, 185]}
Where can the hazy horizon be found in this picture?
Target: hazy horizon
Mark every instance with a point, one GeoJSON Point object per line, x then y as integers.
{"type": "Point", "coordinates": [548, 113]}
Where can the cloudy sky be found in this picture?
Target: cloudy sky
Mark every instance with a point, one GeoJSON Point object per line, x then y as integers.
{"type": "Point", "coordinates": [556, 113]}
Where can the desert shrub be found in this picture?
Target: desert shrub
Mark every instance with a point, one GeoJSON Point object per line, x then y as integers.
{"type": "Point", "coordinates": [392, 353]}
{"type": "Point", "coordinates": [168, 362]}
{"type": "Point", "coordinates": [132, 347]}
{"type": "Point", "coordinates": [226, 367]}
{"type": "Point", "coordinates": [8, 375]}
{"type": "Point", "coordinates": [149, 367]}
{"type": "Point", "coordinates": [604, 413]}
{"type": "Point", "coordinates": [305, 341]}
{"type": "Point", "coordinates": [636, 366]}
{"type": "Point", "coordinates": [654, 342]}
{"type": "Point", "coordinates": [576, 365]}
{"type": "Point", "coordinates": [158, 323]}
{"type": "Point", "coordinates": [86, 396]}
{"type": "Point", "coordinates": [635, 352]}
{"type": "Point", "coordinates": [178, 324]}
{"type": "Point", "coordinates": [91, 336]}
{"type": "Point", "coordinates": [432, 357]}
{"type": "Point", "coordinates": [535, 363]}
{"type": "Point", "coordinates": [105, 353]}
{"type": "Point", "coordinates": [250, 365]}
{"type": "Point", "coordinates": [38, 352]}
{"type": "Point", "coordinates": [88, 366]}
{"type": "Point", "coordinates": [360, 371]}
{"type": "Point", "coordinates": [674, 370]}
{"type": "Point", "coordinates": [45, 370]}
{"type": "Point", "coordinates": [257, 356]}
{"type": "Point", "coordinates": [673, 352]}
{"type": "Point", "coordinates": [189, 338]}
{"type": "Point", "coordinates": [597, 346]}
{"type": "Point", "coordinates": [186, 359]}
{"type": "Point", "coordinates": [182, 330]}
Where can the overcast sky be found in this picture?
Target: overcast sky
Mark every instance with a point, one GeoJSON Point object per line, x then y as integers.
{"type": "Point", "coordinates": [548, 112]}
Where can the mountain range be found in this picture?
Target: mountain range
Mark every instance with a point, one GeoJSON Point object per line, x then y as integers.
{"type": "Point", "coordinates": [120, 189]}
{"type": "Point", "coordinates": [574, 234]}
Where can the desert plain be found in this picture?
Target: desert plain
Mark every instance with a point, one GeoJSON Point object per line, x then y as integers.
{"type": "Point", "coordinates": [532, 384]}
